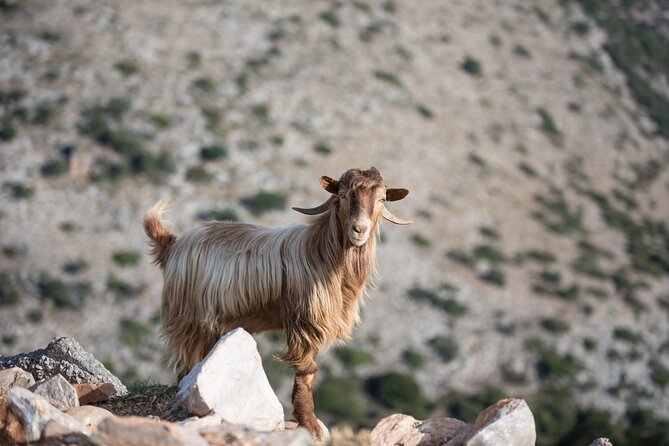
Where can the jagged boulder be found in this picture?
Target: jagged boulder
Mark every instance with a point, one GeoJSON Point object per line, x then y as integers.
{"type": "Point", "coordinates": [139, 431]}
{"type": "Point", "coordinates": [14, 377]}
{"type": "Point", "coordinates": [26, 417]}
{"type": "Point", "coordinates": [66, 357]}
{"type": "Point", "coordinates": [57, 391]}
{"type": "Point", "coordinates": [508, 421]}
{"type": "Point", "coordinates": [89, 393]}
{"type": "Point", "coordinates": [601, 442]}
{"type": "Point", "coordinates": [231, 382]}
{"type": "Point", "coordinates": [407, 431]}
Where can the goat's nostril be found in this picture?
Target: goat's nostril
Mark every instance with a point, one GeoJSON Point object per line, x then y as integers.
{"type": "Point", "coordinates": [359, 229]}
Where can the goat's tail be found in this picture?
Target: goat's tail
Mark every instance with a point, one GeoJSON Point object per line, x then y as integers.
{"type": "Point", "coordinates": [161, 237]}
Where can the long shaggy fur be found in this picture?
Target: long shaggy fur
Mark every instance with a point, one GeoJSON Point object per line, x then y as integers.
{"type": "Point", "coordinates": [160, 237]}
{"type": "Point", "coordinates": [223, 275]}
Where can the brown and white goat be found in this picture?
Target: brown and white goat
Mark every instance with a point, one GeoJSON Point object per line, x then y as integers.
{"type": "Point", "coordinates": [306, 280]}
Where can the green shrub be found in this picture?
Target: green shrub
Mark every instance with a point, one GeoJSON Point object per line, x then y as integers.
{"type": "Point", "coordinates": [340, 399]}
{"type": "Point", "coordinates": [12, 251]}
{"type": "Point", "coordinates": [557, 215]}
{"type": "Point", "coordinates": [213, 152]}
{"type": "Point", "coordinates": [132, 332]}
{"type": "Point", "coordinates": [421, 241]}
{"type": "Point", "coordinates": [495, 276]}
{"type": "Point", "coordinates": [322, 149]}
{"type": "Point", "coordinates": [122, 289]}
{"type": "Point", "coordinates": [413, 358]}
{"type": "Point", "coordinates": [67, 227]}
{"type": "Point", "coordinates": [19, 190]}
{"type": "Point", "coordinates": [472, 66]}
{"type": "Point", "coordinates": [218, 214]}
{"type": "Point", "coordinates": [489, 232]}
{"type": "Point", "coordinates": [63, 295]}
{"type": "Point", "coordinates": [43, 113]}
{"type": "Point", "coordinates": [549, 127]}
{"type": "Point", "coordinates": [204, 84]}
{"type": "Point", "coordinates": [261, 112]}
{"type": "Point", "coordinates": [198, 174]}
{"type": "Point", "coordinates": [398, 392]}
{"type": "Point", "coordinates": [467, 407]}
{"type": "Point", "coordinates": [193, 59]}
{"type": "Point", "coordinates": [127, 67]}
{"type": "Point", "coordinates": [476, 160]}
{"type": "Point", "coordinates": [581, 28]}
{"type": "Point", "coordinates": [330, 17]}
{"type": "Point", "coordinates": [527, 170]}
{"type": "Point", "coordinates": [659, 374]}
{"type": "Point", "coordinates": [160, 121]}
{"type": "Point", "coordinates": [9, 291]}
{"type": "Point", "coordinates": [448, 305]}
{"type": "Point", "coordinates": [424, 111]}
{"type": "Point", "coordinates": [352, 358]}
{"type": "Point", "coordinates": [446, 347]}
{"type": "Point", "coordinates": [552, 365]}
{"type": "Point", "coordinates": [627, 335]}
{"type": "Point", "coordinates": [489, 253]}
{"type": "Point", "coordinates": [554, 325]}
{"type": "Point", "coordinates": [264, 201]}
{"type": "Point", "coordinates": [126, 258]}
{"type": "Point", "coordinates": [53, 167]}
{"type": "Point", "coordinates": [7, 130]}
{"type": "Point", "coordinates": [75, 266]}
{"type": "Point", "coordinates": [388, 77]}
{"type": "Point", "coordinates": [521, 51]}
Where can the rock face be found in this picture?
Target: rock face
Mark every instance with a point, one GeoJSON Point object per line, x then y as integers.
{"type": "Point", "coordinates": [138, 431]}
{"type": "Point", "coordinates": [407, 431]}
{"type": "Point", "coordinates": [29, 417]}
{"type": "Point", "coordinates": [508, 421]}
{"type": "Point", "coordinates": [57, 391]}
{"type": "Point", "coordinates": [66, 357]}
{"type": "Point", "coordinates": [601, 442]}
{"type": "Point", "coordinates": [14, 377]}
{"type": "Point", "coordinates": [231, 382]}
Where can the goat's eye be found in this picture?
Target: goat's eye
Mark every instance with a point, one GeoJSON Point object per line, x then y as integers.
{"type": "Point", "coordinates": [381, 200]}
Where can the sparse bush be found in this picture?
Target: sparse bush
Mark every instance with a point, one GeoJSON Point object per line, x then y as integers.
{"type": "Point", "coordinates": [213, 152]}
{"type": "Point", "coordinates": [204, 84]}
{"type": "Point", "coordinates": [627, 335]}
{"type": "Point", "coordinates": [122, 289]}
{"type": "Point", "coordinates": [53, 167]}
{"type": "Point", "coordinates": [467, 407]}
{"type": "Point", "coordinates": [448, 305]}
{"type": "Point", "coordinates": [399, 392]}
{"type": "Point", "coordinates": [261, 112]}
{"type": "Point", "coordinates": [322, 149]}
{"type": "Point", "coordinates": [352, 358]}
{"type": "Point", "coordinates": [133, 332]}
{"type": "Point", "coordinates": [63, 295]}
{"type": "Point", "coordinates": [75, 266]}
{"type": "Point", "coordinates": [198, 174]}
{"type": "Point", "coordinates": [224, 214]}
{"type": "Point", "coordinates": [388, 77]}
{"type": "Point", "coordinates": [424, 111]}
{"type": "Point", "coordinates": [9, 291]}
{"type": "Point", "coordinates": [472, 66]}
{"type": "Point", "coordinates": [7, 129]}
{"type": "Point", "coordinates": [659, 374]}
{"type": "Point", "coordinates": [495, 276]}
{"type": "Point", "coordinates": [125, 258]}
{"type": "Point", "coordinates": [127, 67]}
{"type": "Point", "coordinates": [413, 358]}
{"type": "Point", "coordinates": [330, 17]}
{"type": "Point", "coordinates": [43, 113]}
{"type": "Point", "coordinates": [581, 28]}
{"type": "Point", "coordinates": [527, 170]}
{"type": "Point", "coordinates": [160, 121]}
{"type": "Point", "coordinates": [264, 201]}
{"type": "Point", "coordinates": [552, 365]}
{"type": "Point", "coordinates": [554, 325]}
{"type": "Point", "coordinates": [557, 215]}
{"type": "Point", "coordinates": [193, 59]}
{"type": "Point", "coordinates": [521, 51]}
{"type": "Point", "coordinates": [341, 399]}
{"type": "Point", "coordinates": [549, 127]}
{"type": "Point", "coordinates": [12, 251]}
{"type": "Point", "coordinates": [67, 226]}
{"type": "Point", "coordinates": [421, 241]}
{"type": "Point", "coordinates": [19, 190]}
{"type": "Point", "coordinates": [446, 347]}
{"type": "Point", "coordinates": [477, 160]}
{"type": "Point", "coordinates": [489, 253]}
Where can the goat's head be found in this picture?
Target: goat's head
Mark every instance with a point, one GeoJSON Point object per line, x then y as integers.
{"type": "Point", "coordinates": [358, 198]}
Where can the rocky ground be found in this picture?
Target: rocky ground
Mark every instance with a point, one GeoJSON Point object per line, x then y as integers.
{"type": "Point", "coordinates": [532, 136]}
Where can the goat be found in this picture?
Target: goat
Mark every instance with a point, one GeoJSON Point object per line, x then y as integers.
{"type": "Point", "coordinates": [307, 280]}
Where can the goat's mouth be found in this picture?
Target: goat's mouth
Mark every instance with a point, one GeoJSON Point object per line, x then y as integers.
{"type": "Point", "coordinates": [357, 239]}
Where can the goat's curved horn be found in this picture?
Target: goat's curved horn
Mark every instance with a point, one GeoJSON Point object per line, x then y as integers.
{"type": "Point", "coordinates": [391, 218]}
{"type": "Point", "coordinates": [318, 209]}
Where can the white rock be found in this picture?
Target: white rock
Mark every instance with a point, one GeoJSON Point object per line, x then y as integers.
{"type": "Point", "coordinates": [36, 413]}
{"type": "Point", "coordinates": [407, 431]}
{"type": "Point", "coordinates": [601, 442]}
{"type": "Point", "coordinates": [231, 382]}
{"type": "Point", "coordinates": [89, 416]}
{"type": "Point", "coordinates": [508, 421]}
{"type": "Point", "coordinates": [14, 377]}
{"type": "Point", "coordinates": [57, 391]}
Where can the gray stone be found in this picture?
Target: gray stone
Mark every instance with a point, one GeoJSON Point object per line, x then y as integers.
{"type": "Point", "coordinates": [508, 421]}
{"type": "Point", "coordinates": [601, 442]}
{"type": "Point", "coordinates": [231, 382]}
{"type": "Point", "coordinates": [139, 431]}
{"type": "Point", "coordinates": [89, 416]}
{"type": "Point", "coordinates": [66, 357]}
{"type": "Point", "coordinates": [227, 433]}
{"type": "Point", "coordinates": [407, 431]}
{"type": "Point", "coordinates": [14, 377]}
{"type": "Point", "coordinates": [35, 414]}
{"type": "Point", "coordinates": [57, 391]}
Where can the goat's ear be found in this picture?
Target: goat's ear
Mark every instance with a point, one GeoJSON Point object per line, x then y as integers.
{"type": "Point", "coordinates": [330, 184]}
{"type": "Point", "coordinates": [396, 194]}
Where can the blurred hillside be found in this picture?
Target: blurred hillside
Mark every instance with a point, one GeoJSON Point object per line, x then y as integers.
{"type": "Point", "coordinates": [532, 136]}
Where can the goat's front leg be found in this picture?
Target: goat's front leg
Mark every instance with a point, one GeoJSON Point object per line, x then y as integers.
{"type": "Point", "coordinates": [303, 399]}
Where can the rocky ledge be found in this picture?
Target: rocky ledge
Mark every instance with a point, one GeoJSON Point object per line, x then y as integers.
{"type": "Point", "coordinates": [46, 398]}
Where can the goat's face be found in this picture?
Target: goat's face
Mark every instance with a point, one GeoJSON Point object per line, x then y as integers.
{"type": "Point", "coordinates": [358, 199]}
